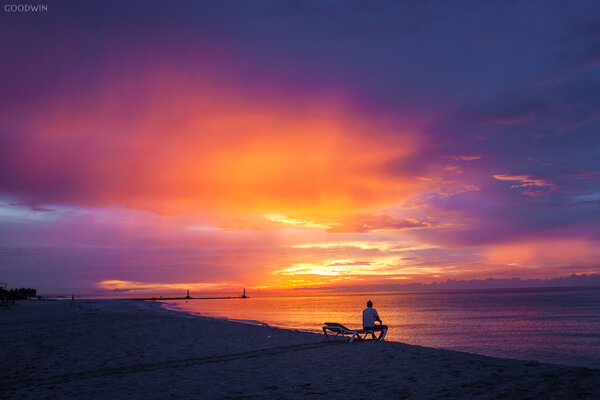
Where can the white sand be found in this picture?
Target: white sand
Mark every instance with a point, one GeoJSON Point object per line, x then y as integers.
{"type": "Point", "coordinates": [108, 349]}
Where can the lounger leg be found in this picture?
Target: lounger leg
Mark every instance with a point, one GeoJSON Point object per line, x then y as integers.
{"type": "Point", "coordinates": [353, 336]}
{"type": "Point", "coordinates": [384, 333]}
{"type": "Point", "coordinates": [325, 332]}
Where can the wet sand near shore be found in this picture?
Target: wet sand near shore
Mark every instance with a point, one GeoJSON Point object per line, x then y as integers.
{"type": "Point", "coordinates": [110, 349]}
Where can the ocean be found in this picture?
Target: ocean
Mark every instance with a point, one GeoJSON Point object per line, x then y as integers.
{"type": "Point", "coordinates": [554, 325]}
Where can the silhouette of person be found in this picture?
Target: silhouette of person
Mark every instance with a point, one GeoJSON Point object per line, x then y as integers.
{"type": "Point", "coordinates": [369, 317]}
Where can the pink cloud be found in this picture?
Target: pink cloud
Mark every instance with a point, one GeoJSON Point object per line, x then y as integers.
{"type": "Point", "coordinates": [533, 187]}
{"type": "Point", "coordinates": [465, 158]}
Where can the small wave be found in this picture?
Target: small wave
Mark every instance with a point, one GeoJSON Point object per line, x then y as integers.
{"type": "Point", "coordinates": [247, 321]}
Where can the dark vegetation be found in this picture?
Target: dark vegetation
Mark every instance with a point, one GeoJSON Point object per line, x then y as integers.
{"type": "Point", "coordinates": [16, 294]}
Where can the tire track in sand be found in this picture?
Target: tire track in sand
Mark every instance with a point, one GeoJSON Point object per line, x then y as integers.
{"type": "Point", "coordinates": [147, 367]}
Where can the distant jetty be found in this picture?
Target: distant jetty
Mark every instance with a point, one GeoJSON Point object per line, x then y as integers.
{"type": "Point", "coordinates": [188, 297]}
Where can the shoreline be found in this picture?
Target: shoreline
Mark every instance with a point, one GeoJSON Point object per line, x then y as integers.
{"type": "Point", "coordinates": [523, 335]}
{"type": "Point", "coordinates": [112, 349]}
{"type": "Point", "coordinates": [175, 309]}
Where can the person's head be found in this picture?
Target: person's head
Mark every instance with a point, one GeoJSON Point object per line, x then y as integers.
{"type": "Point", "coordinates": [369, 303]}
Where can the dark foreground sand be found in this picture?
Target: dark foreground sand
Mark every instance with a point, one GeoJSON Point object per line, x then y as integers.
{"type": "Point", "coordinates": [107, 349]}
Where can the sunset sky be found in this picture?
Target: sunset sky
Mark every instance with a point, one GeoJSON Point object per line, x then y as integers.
{"type": "Point", "coordinates": [151, 146]}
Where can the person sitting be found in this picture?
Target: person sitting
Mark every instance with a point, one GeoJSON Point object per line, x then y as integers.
{"type": "Point", "coordinates": [369, 317]}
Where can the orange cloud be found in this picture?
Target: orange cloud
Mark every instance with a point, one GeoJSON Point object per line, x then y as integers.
{"type": "Point", "coordinates": [148, 287]}
{"type": "Point", "coordinates": [171, 149]}
{"type": "Point", "coordinates": [368, 223]}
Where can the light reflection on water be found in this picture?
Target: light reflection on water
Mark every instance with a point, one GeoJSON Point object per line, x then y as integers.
{"type": "Point", "coordinates": [558, 325]}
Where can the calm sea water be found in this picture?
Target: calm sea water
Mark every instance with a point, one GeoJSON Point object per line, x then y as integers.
{"type": "Point", "coordinates": [556, 325]}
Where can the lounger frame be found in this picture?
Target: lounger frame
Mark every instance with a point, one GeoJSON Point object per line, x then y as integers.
{"type": "Point", "coordinates": [349, 335]}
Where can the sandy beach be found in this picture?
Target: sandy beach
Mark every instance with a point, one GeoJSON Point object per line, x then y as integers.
{"type": "Point", "coordinates": [109, 349]}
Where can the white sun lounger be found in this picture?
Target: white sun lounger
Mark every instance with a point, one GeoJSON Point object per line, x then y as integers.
{"type": "Point", "coordinates": [349, 334]}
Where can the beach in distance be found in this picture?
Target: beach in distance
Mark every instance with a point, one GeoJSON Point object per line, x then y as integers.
{"type": "Point", "coordinates": [112, 349]}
